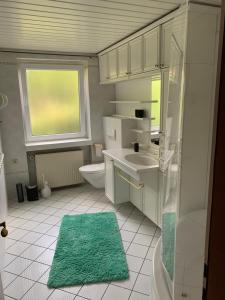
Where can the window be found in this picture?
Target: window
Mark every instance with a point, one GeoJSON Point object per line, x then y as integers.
{"type": "Point", "coordinates": [53, 102]}
{"type": "Point", "coordinates": [155, 90]}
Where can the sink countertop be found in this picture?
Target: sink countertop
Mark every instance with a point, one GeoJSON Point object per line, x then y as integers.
{"type": "Point", "coordinates": [119, 156]}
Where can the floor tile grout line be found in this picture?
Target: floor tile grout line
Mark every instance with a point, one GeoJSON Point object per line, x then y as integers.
{"type": "Point", "coordinates": [90, 206]}
{"type": "Point", "coordinates": [31, 288]}
{"type": "Point", "coordinates": [29, 258]}
{"type": "Point", "coordinates": [31, 244]}
{"type": "Point", "coordinates": [11, 281]}
{"type": "Point", "coordinates": [142, 262]}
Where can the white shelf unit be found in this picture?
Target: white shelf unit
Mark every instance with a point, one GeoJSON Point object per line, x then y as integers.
{"type": "Point", "coordinates": [132, 118]}
{"type": "Point", "coordinates": [141, 131]}
{"type": "Point", "coordinates": [133, 102]}
{"type": "Point", "coordinates": [152, 132]}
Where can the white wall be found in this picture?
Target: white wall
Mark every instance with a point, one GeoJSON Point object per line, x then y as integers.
{"type": "Point", "coordinates": [200, 63]}
{"type": "Point", "coordinates": [134, 90]}
{"type": "Point", "coordinates": [12, 124]}
{"type": "Point", "coordinates": [16, 168]}
{"type": "Point", "coordinates": [199, 99]}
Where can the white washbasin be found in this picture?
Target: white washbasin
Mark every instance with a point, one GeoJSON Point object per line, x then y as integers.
{"type": "Point", "coordinates": [140, 159]}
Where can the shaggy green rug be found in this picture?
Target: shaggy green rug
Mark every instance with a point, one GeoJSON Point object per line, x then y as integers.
{"type": "Point", "coordinates": [89, 250]}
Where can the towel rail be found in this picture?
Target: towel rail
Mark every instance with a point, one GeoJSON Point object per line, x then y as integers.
{"type": "Point", "coordinates": [137, 187]}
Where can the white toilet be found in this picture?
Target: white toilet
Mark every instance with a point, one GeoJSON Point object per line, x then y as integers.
{"type": "Point", "coordinates": [117, 134]}
{"type": "Point", "coordinates": [94, 174]}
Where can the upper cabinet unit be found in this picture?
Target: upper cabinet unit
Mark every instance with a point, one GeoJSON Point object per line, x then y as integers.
{"type": "Point", "coordinates": [152, 49]}
{"type": "Point", "coordinates": [104, 67]}
{"type": "Point", "coordinates": [123, 61]}
{"type": "Point", "coordinates": [112, 57]}
{"type": "Point", "coordinates": [137, 56]}
{"type": "Point", "coordinates": [165, 44]}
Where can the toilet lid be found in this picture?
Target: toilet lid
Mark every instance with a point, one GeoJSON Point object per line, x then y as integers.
{"type": "Point", "coordinates": [93, 168]}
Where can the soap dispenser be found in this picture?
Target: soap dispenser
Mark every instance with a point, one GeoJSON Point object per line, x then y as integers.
{"type": "Point", "coordinates": [136, 147]}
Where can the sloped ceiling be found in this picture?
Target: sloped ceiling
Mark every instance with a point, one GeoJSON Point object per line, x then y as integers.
{"type": "Point", "coordinates": [85, 26]}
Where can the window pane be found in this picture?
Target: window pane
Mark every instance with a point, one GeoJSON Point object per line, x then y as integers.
{"type": "Point", "coordinates": [155, 107]}
{"type": "Point", "coordinates": [53, 98]}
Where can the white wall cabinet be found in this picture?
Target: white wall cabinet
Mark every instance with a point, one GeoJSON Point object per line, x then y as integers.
{"type": "Point", "coordinates": [112, 57]}
{"type": "Point", "coordinates": [166, 30]}
{"type": "Point", "coordinates": [104, 67]}
{"type": "Point", "coordinates": [123, 61]}
{"type": "Point", "coordinates": [136, 55]}
{"type": "Point", "coordinates": [151, 41]}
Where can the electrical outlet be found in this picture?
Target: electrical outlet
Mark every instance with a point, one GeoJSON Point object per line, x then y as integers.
{"type": "Point", "coordinates": [15, 160]}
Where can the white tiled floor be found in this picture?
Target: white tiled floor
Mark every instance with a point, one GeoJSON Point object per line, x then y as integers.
{"type": "Point", "coordinates": [33, 231]}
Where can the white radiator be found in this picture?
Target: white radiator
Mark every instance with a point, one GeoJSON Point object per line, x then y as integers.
{"type": "Point", "coordinates": [59, 169]}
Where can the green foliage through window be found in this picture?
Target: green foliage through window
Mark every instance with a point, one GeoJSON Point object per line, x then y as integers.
{"type": "Point", "coordinates": [155, 107]}
{"type": "Point", "coordinates": [53, 99]}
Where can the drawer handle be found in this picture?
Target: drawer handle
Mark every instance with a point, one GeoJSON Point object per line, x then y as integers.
{"type": "Point", "coordinates": [137, 187]}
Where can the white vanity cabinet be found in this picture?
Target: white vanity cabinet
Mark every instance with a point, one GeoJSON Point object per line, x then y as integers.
{"type": "Point", "coordinates": [136, 194]}
{"type": "Point", "coordinates": [151, 203]}
{"type": "Point", "coordinates": [121, 186]}
{"type": "Point", "coordinates": [151, 41]}
{"type": "Point", "coordinates": [109, 178]}
{"type": "Point", "coordinates": [139, 189]}
{"type": "Point", "coordinates": [116, 189]}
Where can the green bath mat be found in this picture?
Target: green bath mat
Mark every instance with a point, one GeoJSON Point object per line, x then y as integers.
{"type": "Point", "coordinates": [89, 250]}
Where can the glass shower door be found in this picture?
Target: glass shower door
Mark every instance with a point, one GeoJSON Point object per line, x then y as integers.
{"type": "Point", "coordinates": [170, 161]}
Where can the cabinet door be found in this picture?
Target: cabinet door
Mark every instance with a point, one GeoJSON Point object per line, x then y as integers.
{"type": "Point", "coordinates": [109, 179]}
{"type": "Point", "coordinates": [121, 186]}
{"type": "Point", "coordinates": [152, 49]}
{"type": "Point", "coordinates": [165, 44]}
{"type": "Point", "coordinates": [123, 61]}
{"type": "Point", "coordinates": [136, 196]}
{"type": "Point", "coordinates": [136, 55]}
{"type": "Point", "coordinates": [113, 64]}
{"type": "Point", "coordinates": [104, 67]}
{"type": "Point", "coordinates": [151, 196]}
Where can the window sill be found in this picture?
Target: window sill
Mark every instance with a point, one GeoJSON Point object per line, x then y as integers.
{"type": "Point", "coordinates": [34, 146]}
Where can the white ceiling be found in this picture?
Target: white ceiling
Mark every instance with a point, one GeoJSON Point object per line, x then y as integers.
{"type": "Point", "coordinates": [84, 26]}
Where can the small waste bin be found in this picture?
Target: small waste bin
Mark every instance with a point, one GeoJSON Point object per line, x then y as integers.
{"type": "Point", "coordinates": [32, 192]}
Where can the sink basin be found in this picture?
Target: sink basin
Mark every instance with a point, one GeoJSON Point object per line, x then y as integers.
{"type": "Point", "coordinates": [140, 159]}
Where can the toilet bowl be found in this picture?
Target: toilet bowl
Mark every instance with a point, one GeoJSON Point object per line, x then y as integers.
{"type": "Point", "coordinates": [94, 174]}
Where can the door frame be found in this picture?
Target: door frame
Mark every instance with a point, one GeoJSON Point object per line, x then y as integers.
{"type": "Point", "coordinates": [215, 286]}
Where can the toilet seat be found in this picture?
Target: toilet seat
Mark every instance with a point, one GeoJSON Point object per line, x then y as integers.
{"type": "Point", "coordinates": [93, 168]}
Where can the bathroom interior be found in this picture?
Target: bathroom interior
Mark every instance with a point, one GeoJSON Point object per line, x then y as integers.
{"type": "Point", "coordinates": [107, 119]}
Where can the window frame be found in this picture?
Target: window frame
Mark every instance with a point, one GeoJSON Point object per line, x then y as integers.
{"type": "Point", "coordinates": [25, 104]}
